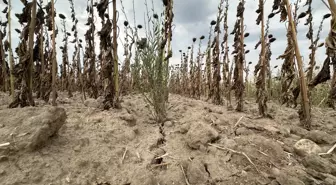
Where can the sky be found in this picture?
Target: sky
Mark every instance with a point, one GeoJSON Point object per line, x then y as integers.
{"type": "Point", "coordinates": [192, 19]}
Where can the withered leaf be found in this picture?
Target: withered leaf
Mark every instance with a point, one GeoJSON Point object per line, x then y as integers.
{"type": "Point", "coordinates": [17, 30]}
{"type": "Point", "coordinates": [257, 45]}
{"type": "Point", "coordinates": [102, 7]}
{"type": "Point", "coordinates": [5, 10]}
{"type": "Point", "coordinates": [240, 9]}
{"type": "Point", "coordinates": [283, 15]}
{"type": "Point", "coordinates": [276, 5]}
{"type": "Point", "coordinates": [4, 23]}
{"type": "Point", "coordinates": [259, 19]}
{"type": "Point", "coordinates": [165, 2]}
{"type": "Point", "coordinates": [61, 16]}
{"type": "Point", "coordinates": [326, 16]}
{"type": "Point", "coordinates": [309, 35]}
{"type": "Point", "coordinates": [323, 75]}
{"type": "Point", "coordinates": [302, 15]}
{"type": "Point", "coordinates": [6, 44]}
{"type": "Point", "coordinates": [271, 15]}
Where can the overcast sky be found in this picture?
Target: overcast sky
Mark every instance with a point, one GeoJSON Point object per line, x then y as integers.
{"type": "Point", "coordinates": [192, 19]}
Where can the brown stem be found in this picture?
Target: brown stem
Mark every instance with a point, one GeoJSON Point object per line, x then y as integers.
{"type": "Point", "coordinates": [53, 58]}
{"type": "Point", "coordinates": [262, 88]}
{"type": "Point", "coordinates": [11, 61]}
{"type": "Point", "coordinates": [303, 86]}
{"type": "Point", "coordinates": [31, 53]}
{"type": "Point", "coordinates": [240, 105]}
{"type": "Point", "coordinates": [115, 52]}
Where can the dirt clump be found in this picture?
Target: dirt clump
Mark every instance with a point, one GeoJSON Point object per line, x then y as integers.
{"type": "Point", "coordinates": [200, 134]}
{"type": "Point", "coordinates": [197, 172]}
{"type": "Point", "coordinates": [130, 119]}
{"type": "Point", "coordinates": [306, 147]}
{"type": "Point", "coordinates": [321, 137]}
{"type": "Point", "coordinates": [94, 103]}
{"type": "Point", "coordinates": [319, 164]}
{"type": "Point", "coordinates": [32, 132]}
{"type": "Point", "coordinates": [286, 179]}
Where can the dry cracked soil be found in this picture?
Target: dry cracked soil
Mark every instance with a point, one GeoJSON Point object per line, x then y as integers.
{"type": "Point", "coordinates": [199, 144]}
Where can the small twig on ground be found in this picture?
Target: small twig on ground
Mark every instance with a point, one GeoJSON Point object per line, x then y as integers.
{"type": "Point", "coordinates": [4, 144]}
{"type": "Point", "coordinates": [237, 152]}
{"type": "Point", "coordinates": [321, 102]}
{"type": "Point", "coordinates": [263, 153]}
{"type": "Point", "coordinates": [238, 122]}
{"type": "Point", "coordinates": [329, 151]}
{"type": "Point", "coordinates": [185, 176]}
{"type": "Point", "coordinates": [280, 142]}
{"type": "Point", "coordinates": [23, 134]}
{"type": "Point", "coordinates": [170, 107]}
{"type": "Point", "coordinates": [138, 155]}
{"type": "Point", "coordinates": [123, 157]}
{"type": "Point", "coordinates": [318, 110]}
{"type": "Point", "coordinates": [162, 156]}
{"type": "Point", "coordinates": [137, 145]}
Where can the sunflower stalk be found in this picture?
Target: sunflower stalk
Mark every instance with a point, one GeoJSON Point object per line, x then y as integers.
{"type": "Point", "coordinates": [184, 71]}
{"type": "Point", "coordinates": [76, 55]}
{"type": "Point", "coordinates": [288, 68]}
{"type": "Point", "coordinates": [239, 57]}
{"type": "Point", "coordinates": [217, 99]}
{"type": "Point", "coordinates": [197, 72]}
{"type": "Point", "coordinates": [115, 56]}
{"type": "Point", "coordinates": [32, 25]}
{"type": "Point", "coordinates": [227, 73]}
{"type": "Point", "coordinates": [3, 64]}
{"type": "Point", "coordinates": [192, 76]}
{"type": "Point", "coordinates": [304, 112]}
{"type": "Point", "coordinates": [53, 57]}
{"type": "Point", "coordinates": [90, 55]}
{"type": "Point", "coordinates": [262, 66]}
{"type": "Point", "coordinates": [10, 56]}
{"type": "Point", "coordinates": [23, 71]}
{"type": "Point", "coordinates": [208, 63]}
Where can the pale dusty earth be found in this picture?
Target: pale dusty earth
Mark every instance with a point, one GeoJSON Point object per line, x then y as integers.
{"type": "Point", "coordinates": [201, 144]}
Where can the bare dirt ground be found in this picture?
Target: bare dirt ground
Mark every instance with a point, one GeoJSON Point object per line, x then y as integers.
{"type": "Point", "coordinates": [200, 144]}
